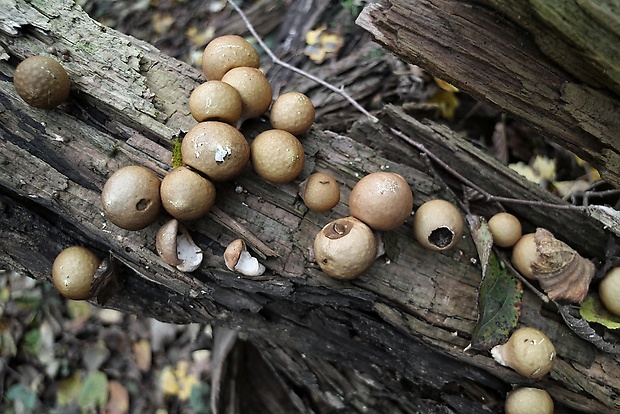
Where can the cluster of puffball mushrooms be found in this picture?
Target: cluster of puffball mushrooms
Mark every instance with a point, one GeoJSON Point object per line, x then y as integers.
{"type": "Point", "coordinates": [214, 150]}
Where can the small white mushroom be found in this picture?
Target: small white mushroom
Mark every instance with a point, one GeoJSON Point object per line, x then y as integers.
{"type": "Point", "coordinates": [238, 259]}
{"type": "Point", "coordinates": [176, 247]}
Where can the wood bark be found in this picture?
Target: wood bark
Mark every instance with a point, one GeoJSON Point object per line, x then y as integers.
{"type": "Point", "coordinates": [553, 64]}
{"type": "Point", "coordinates": [391, 341]}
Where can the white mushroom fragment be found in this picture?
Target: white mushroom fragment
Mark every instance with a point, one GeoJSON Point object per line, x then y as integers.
{"type": "Point", "coordinates": [239, 259]}
{"type": "Point", "coordinates": [176, 247]}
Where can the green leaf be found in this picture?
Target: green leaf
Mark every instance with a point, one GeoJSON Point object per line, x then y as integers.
{"type": "Point", "coordinates": [199, 399]}
{"type": "Point", "coordinates": [94, 392]}
{"type": "Point", "coordinates": [22, 395]}
{"type": "Point", "coordinates": [499, 305]}
{"type": "Point", "coordinates": [69, 389]}
{"type": "Point", "coordinates": [592, 310]}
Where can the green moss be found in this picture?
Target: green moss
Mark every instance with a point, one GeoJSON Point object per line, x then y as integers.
{"type": "Point", "coordinates": [177, 160]}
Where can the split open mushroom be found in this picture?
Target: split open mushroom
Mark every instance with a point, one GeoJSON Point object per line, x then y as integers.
{"type": "Point", "coordinates": [238, 259]}
{"type": "Point", "coordinates": [177, 248]}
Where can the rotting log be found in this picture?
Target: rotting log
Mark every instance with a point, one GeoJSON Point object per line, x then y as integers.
{"type": "Point", "coordinates": [402, 326]}
{"type": "Point", "coordinates": [552, 64]}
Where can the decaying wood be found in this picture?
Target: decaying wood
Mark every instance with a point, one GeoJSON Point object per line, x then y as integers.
{"type": "Point", "coordinates": [553, 64]}
{"type": "Point", "coordinates": [392, 340]}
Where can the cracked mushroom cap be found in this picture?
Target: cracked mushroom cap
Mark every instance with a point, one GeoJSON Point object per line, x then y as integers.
{"type": "Point", "coordinates": [186, 195]}
{"type": "Point", "coordinates": [225, 53]}
{"type": "Point", "coordinates": [345, 248]}
{"type": "Point", "coordinates": [130, 198]}
{"type": "Point", "coordinates": [382, 200]}
{"type": "Point", "coordinates": [216, 149]}
{"type": "Point", "coordinates": [437, 225]}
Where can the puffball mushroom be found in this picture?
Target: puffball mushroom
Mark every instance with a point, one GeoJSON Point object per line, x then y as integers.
{"type": "Point", "coordinates": [345, 248]}
{"type": "Point", "coordinates": [292, 112]}
{"type": "Point", "coordinates": [505, 228]}
{"type": "Point", "coordinates": [130, 198]}
{"type": "Point", "coordinates": [528, 351]}
{"type": "Point", "coordinates": [215, 100]}
{"type": "Point", "coordinates": [437, 225]}
{"type": "Point", "coordinates": [609, 291]}
{"type": "Point", "coordinates": [224, 53]}
{"type": "Point", "coordinates": [186, 195]}
{"type": "Point", "coordinates": [254, 89]}
{"type": "Point", "coordinates": [277, 156]}
{"type": "Point", "coordinates": [527, 400]}
{"type": "Point", "coordinates": [216, 149]}
{"type": "Point", "coordinates": [41, 82]}
{"type": "Point", "coordinates": [524, 254]}
{"type": "Point", "coordinates": [73, 272]}
{"type": "Point", "coordinates": [177, 248]}
{"type": "Point", "coordinates": [382, 200]}
{"type": "Point", "coordinates": [239, 259]}
{"type": "Point", "coordinates": [320, 192]}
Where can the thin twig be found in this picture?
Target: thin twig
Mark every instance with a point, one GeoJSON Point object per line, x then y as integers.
{"type": "Point", "coordinates": [417, 145]}
{"type": "Point", "coordinates": [277, 61]}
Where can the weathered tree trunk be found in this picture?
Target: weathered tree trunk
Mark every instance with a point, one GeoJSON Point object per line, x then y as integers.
{"type": "Point", "coordinates": [553, 64]}
{"type": "Point", "coordinates": [390, 341]}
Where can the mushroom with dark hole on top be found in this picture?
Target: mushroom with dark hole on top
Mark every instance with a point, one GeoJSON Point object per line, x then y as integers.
{"type": "Point", "coordinates": [238, 259]}
{"type": "Point", "coordinates": [42, 82]}
{"type": "Point", "coordinates": [224, 53]}
{"type": "Point", "coordinates": [437, 225]}
{"type": "Point", "coordinates": [130, 197]}
{"type": "Point", "coordinates": [186, 195]}
{"type": "Point", "coordinates": [382, 200]}
{"type": "Point", "coordinates": [216, 149]}
{"type": "Point", "coordinates": [528, 351]}
{"type": "Point", "coordinates": [177, 248]}
{"type": "Point", "coordinates": [320, 192]}
{"type": "Point", "coordinates": [345, 248]}
{"type": "Point", "coordinates": [73, 272]}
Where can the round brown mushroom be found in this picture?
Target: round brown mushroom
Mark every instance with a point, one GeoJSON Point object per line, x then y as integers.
{"type": "Point", "coordinates": [217, 101]}
{"type": "Point", "coordinates": [345, 248]}
{"type": "Point", "coordinates": [42, 82]}
{"type": "Point", "coordinates": [609, 291]}
{"type": "Point", "coordinates": [505, 228]}
{"type": "Point", "coordinates": [320, 192]}
{"type": "Point", "coordinates": [130, 198]}
{"type": "Point", "coordinates": [73, 272]}
{"type": "Point", "coordinates": [226, 52]}
{"type": "Point", "coordinates": [292, 112]}
{"type": "Point", "coordinates": [524, 253]}
{"type": "Point", "coordinates": [527, 400]}
{"type": "Point", "coordinates": [277, 156]}
{"type": "Point", "coordinates": [254, 89]}
{"type": "Point", "coordinates": [186, 195]}
{"type": "Point", "coordinates": [528, 351]}
{"type": "Point", "coordinates": [437, 225]}
{"type": "Point", "coordinates": [383, 200]}
{"type": "Point", "coordinates": [216, 149]}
